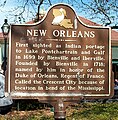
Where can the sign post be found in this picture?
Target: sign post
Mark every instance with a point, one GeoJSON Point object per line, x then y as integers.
{"type": "Point", "coordinates": [59, 60]}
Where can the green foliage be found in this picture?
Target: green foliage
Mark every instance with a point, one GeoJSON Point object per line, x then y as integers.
{"type": "Point", "coordinates": [29, 104]}
{"type": "Point", "coordinates": [97, 111]}
{"type": "Point", "coordinates": [83, 111]}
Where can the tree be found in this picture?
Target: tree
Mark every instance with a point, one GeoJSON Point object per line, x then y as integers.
{"type": "Point", "coordinates": [104, 12]}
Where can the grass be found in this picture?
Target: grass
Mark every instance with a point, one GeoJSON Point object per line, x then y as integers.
{"type": "Point", "coordinates": [83, 111]}
{"type": "Point", "coordinates": [96, 111]}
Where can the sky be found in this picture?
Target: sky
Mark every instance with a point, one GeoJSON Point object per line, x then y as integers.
{"type": "Point", "coordinates": [11, 4]}
{"type": "Point", "coordinates": [6, 12]}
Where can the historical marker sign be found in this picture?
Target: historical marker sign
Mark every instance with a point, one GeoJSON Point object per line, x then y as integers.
{"type": "Point", "coordinates": [59, 57]}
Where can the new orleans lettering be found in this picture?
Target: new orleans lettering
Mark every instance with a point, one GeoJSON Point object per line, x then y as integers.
{"type": "Point", "coordinates": [75, 34]}
{"type": "Point", "coordinates": [62, 33]}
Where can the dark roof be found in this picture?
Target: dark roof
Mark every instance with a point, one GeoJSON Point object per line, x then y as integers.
{"type": "Point", "coordinates": [88, 22]}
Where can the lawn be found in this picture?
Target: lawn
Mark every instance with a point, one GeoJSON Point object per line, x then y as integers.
{"type": "Point", "coordinates": [81, 111]}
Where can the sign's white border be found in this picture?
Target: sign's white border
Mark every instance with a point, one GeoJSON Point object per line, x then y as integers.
{"type": "Point", "coordinates": [26, 94]}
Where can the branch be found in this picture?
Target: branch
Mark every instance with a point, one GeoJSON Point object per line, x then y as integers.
{"type": "Point", "coordinates": [41, 2]}
{"type": "Point", "coordinates": [87, 5]}
{"type": "Point", "coordinates": [50, 2]}
{"type": "Point", "coordinates": [104, 13]}
{"type": "Point", "coordinates": [114, 27]}
{"type": "Point", "coordinates": [3, 4]}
